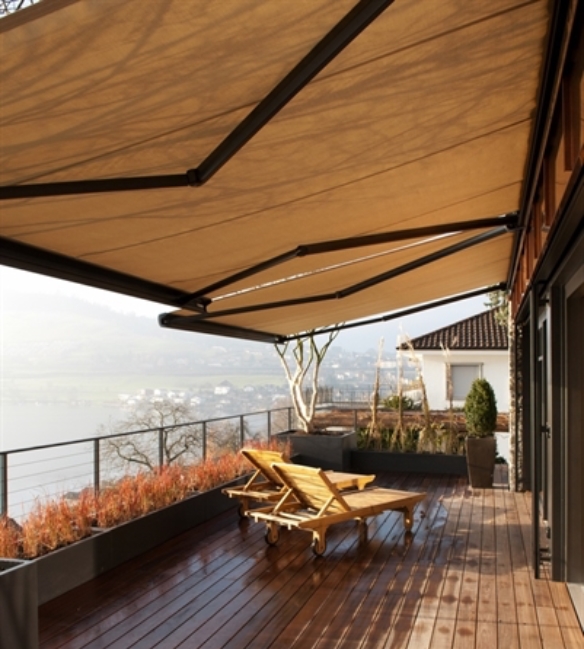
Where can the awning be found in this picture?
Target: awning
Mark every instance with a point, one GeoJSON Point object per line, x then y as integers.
{"type": "Point", "coordinates": [268, 168]}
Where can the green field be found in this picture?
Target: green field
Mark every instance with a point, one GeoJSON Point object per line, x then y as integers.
{"type": "Point", "coordinates": [106, 388]}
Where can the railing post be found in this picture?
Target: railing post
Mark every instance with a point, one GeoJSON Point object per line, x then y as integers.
{"type": "Point", "coordinates": [3, 484]}
{"type": "Point", "coordinates": [241, 431]}
{"type": "Point", "coordinates": [204, 440]}
{"type": "Point", "coordinates": [269, 424]}
{"type": "Point", "coordinates": [289, 418]}
{"type": "Point", "coordinates": [96, 468]}
{"type": "Point", "coordinates": [355, 419]}
{"type": "Point", "coordinates": [160, 448]}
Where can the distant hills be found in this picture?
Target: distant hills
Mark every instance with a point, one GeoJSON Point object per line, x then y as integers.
{"type": "Point", "coordinates": [46, 338]}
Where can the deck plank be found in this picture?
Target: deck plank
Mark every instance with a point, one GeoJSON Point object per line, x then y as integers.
{"type": "Point", "coordinates": [435, 595]}
{"type": "Point", "coordinates": [462, 579]}
{"type": "Point", "coordinates": [355, 566]}
{"type": "Point", "coordinates": [445, 625]}
{"type": "Point", "coordinates": [507, 629]}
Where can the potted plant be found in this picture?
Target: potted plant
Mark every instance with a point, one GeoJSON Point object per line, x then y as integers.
{"type": "Point", "coordinates": [480, 408]}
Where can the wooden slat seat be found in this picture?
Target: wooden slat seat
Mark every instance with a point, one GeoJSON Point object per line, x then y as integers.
{"type": "Point", "coordinates": [265, 485]}
{"type": "Point", "coordinates": [312, 502]}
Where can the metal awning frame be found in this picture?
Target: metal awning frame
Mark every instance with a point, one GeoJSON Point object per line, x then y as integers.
{"type": "Point", "coordinates": [337, 39]}
{"type": "Point", "coordinates": [28, 257]}
{"type": "Point", "coordinates": [368, 283]}
{"type": "Point", "coordinates": [200, 300]}
{"type": "Point", "coordinates": [195, 325]}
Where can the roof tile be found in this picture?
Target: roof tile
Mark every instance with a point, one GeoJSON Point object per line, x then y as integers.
{"type": "Point", "coordinates": [481, 331]}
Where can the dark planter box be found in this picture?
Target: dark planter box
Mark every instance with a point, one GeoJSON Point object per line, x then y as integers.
{"type": "Point", "coordinates": [71, 566]}
{"type": "Point", "coordinates": [18, 605]}
{"type": "Point", "coordinates": [435, 463]}
{"type": "Point", "coordinates": [328, 451]}
{"type": "Point", "coordinates": [481, 453]}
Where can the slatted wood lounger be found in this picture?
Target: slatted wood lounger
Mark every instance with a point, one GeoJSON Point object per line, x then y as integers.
{"type": "Point", "coordinates": [312, 502]}
{"type": "Point", "coordinates": [265, 485]}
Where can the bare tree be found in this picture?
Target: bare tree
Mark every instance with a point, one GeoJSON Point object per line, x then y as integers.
{"type": "Point", "coordinates": [398, 439]}
{"type": "Point", "coordinates": [427, 438]}
{"type": "Point", "coordinates": [304, 362]}
{"type": "Point", "coordinates": [172, 439]}
{"type": "Point", "coordinates": [373, 431]}
{"type": "Point", "coordinates": [451, 435]}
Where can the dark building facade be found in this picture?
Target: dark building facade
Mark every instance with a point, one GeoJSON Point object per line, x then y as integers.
{"type": "Point", "coordinates": [547, 298]}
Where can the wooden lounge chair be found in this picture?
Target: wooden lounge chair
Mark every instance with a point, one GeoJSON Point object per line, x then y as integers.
{"type": "Point", "coordinates": [265, 485]}
{"type": "Point", "coordinates": [312, 502]}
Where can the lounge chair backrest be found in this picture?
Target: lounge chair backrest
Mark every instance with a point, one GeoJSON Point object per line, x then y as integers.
{"type": "Point", "coordinates": [263, 460]}
{"type": "Point", "coordinates": [311, 487]}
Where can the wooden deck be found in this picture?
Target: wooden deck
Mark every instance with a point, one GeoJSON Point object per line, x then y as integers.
{"type": "Point", "coordinates": [462, 580]}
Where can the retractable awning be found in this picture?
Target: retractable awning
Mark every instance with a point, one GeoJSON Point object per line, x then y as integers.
{"type": "Point", "coordinates": [267, 168]}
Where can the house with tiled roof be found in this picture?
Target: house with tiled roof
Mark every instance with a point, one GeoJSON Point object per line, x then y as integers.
{"type": "Point", "coordinates": [452, 357]}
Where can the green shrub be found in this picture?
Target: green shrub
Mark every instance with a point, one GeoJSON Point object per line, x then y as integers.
{"type": "Point", "coordinates": [365, 441]}
{"type": "Point", "coordinates": [480, 409]}
{"type": "Point", "coordinates": [393, 403]}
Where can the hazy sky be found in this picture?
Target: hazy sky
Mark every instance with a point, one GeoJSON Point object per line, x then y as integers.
{"type": "Point", "coordinates": [355, 339]}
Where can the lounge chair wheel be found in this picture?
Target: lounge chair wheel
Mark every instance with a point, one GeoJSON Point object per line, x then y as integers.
{"type": "Point", "coordinates": [272, 535]}
{"type": "Point", "coordinates": [363, 531]}
{"type": "Point", "coordinates": [319, 546]}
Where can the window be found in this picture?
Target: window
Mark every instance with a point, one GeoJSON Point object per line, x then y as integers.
{"type": "Point", "coordinates": [462, 378]}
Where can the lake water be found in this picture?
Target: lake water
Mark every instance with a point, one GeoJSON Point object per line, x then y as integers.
{"type": "Point", "coordinates": [26, 425]}
{"type": "Point", "coordinates": [46, 473]}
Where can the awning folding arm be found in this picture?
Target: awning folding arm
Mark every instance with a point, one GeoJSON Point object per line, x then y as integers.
{"type": "Point", "coordinates": [343, 33]}
{"type": "Point", "coordinates": [193, 324]}
{"type": "Point", "coordinates": [169, 319]}
{"type": "Point", "coordinates": [200, 300]}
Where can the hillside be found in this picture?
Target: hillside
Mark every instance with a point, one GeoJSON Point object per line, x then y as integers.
{"type": "Point", "coordinates": [59, 344]}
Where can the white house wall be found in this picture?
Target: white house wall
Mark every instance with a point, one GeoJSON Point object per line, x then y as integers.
{"type": "Point", "coordinates": [495, 368]}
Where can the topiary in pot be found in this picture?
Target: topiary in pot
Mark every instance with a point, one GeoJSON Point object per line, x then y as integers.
{"type": "Point", "coordinates": [480, 409]}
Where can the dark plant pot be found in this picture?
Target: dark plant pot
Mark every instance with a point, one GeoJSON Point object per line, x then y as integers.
{"type": "Point", "coordinates": [370, 461]}
{"type": "Point", "coordinates": [18, 605]}
{"type": "Point", "coordinates": [71, 566]}
{"type": "Point", "coordinates": [331, 451]}
{"type": "Point", "coordinates": [481, 453]}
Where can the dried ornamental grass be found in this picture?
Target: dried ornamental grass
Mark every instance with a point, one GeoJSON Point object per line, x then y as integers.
{"type": "Point", "coordinates": [57, 523]}
{"type": "Point", "coordinates": [9, 538]}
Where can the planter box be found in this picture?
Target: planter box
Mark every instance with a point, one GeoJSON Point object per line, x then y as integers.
{"type": "Point", "coordinates": [481, 453]}
{"type": "Point", "coordinates": [71, 566]}
{"type": "Point", "coordinates": [18, 605]}
{"type": "Point", "coordinates": [435, 463]}
{"type": "Point", "coordinates": [327, 451]}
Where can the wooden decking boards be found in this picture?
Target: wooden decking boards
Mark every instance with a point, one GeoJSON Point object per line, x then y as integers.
{"type": "Point", "coordinates": [461, 580]}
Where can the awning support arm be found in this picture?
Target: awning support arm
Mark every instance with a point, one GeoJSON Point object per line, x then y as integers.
{"type": "Point", "coordinates": [217, 329]}
{"type": "Point", "coordinates": [305, 250]}
{"type": "Point", "coordinates": [53, 264]}
{"type": "Point", "coordinates": [407, 312]}
{"type": "Point", "coordinates": [343, 33]}
{"type": "Point", "coordinates": [165, 319]}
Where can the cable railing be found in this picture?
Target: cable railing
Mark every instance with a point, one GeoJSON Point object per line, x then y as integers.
{"type": "Point", "coordinates": [32, 474]}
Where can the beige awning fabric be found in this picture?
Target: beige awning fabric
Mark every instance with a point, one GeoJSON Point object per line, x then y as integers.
{"type": "Point", "coordinates": [423, 120]}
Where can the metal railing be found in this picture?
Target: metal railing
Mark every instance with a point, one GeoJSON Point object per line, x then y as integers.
{"type": "Point", "coordinates": [53, 470]}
